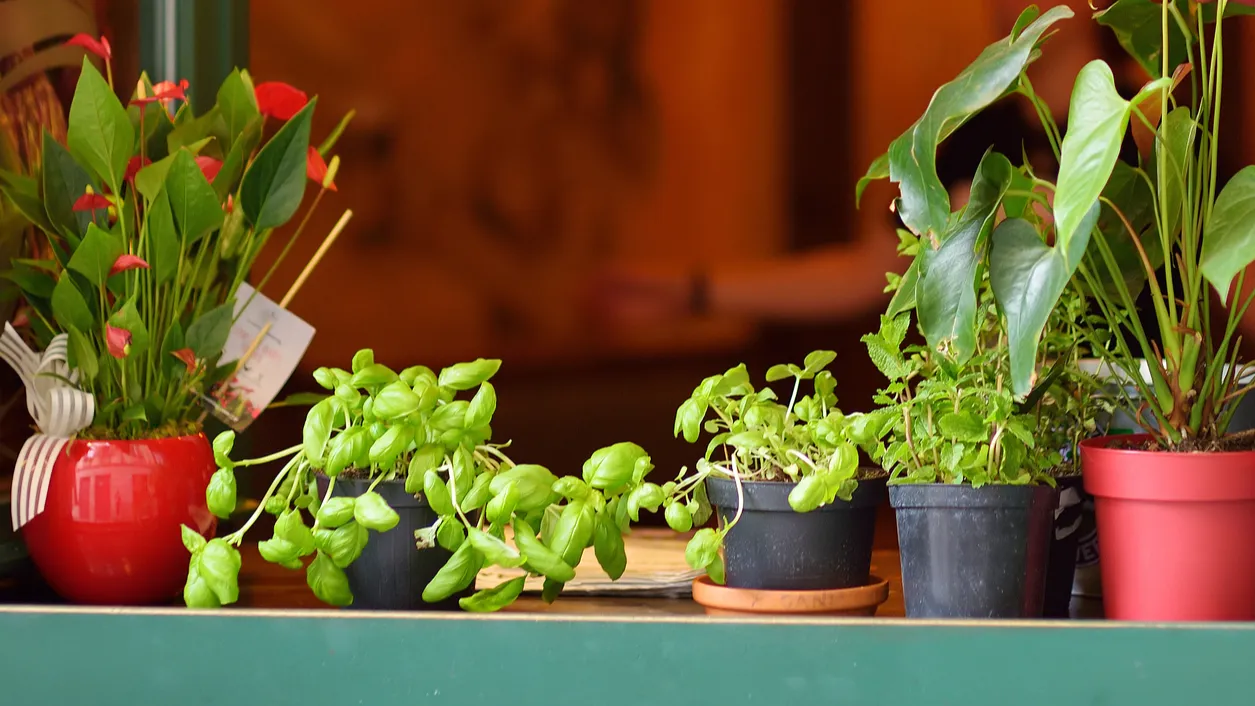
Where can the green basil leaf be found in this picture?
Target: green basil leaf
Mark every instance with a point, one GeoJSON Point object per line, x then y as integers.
{"type": "Point", "coordinates": [220, 494]}
{"type": "Point", "coordinates": [450, 534]}
{"type": "Point", "coordinates": [539, 558]}
{"type": "Point", "coordinates": [292, 528]}
{"type": "Point", "coordinates": [457, 573]}
{"type": "Point", "coordinates": [611, 468]}
{"type": "Point", "coordinates": [479, 494]}
{"type": "Point", "coordinates": [679, 518]}
{"type": "Point", "coordinates": [192, 539]}
{"type": "Point", "coordinates": [220, 567]}
{"type": "Point", "coordinates": [335, 512]}
{"type": "Point", "coordinates": [495, 598]}
{"type": "Point", "coordinates": [501, 508]}
{"type": "Point", "coordinates": [394, 401]}
{"type": "Point", "coordinates": [328, 581]}
{"type": "Point", "coordinates": [702, 549]}
{"type": "Point", "coordinates": [437, 493]}
{"type": "Point", "coordinates": [373, 512]}
{"type": "Point", "coordinates": [494, 551]}
{"type": "Point", "coordinates": [608, 545]}
{"type": "Point", "coordinates": [464, 376]}
{"type": "Point", "coordinates": [482, 406]}
{"type": "Point", "coordinates": [573, 533]}
{"type": "Point", "coordinates": [317, 431]}
{"type": "Point", "coordinates": [535, 485]}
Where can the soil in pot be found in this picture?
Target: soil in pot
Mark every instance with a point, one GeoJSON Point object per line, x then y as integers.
{"type": "Point", "coordinates": [1174, 530]}
{"type": "Point", "coordinates": [391, 573]}
{"type": "Point", "coordinates": [973, 552]}
{"type": "Point", "coordinates": [110, 530]}
{"type": "Point", "coordinates": [773, 547]}
{"type": "Point", "coordinates": [1061, 571]}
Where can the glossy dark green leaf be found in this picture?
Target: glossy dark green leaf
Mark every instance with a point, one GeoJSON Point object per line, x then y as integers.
{"type": "Point", "coordinates": [193, 201]}
{"type": "Point", "coordinates": [128, 319]}
{"type": "Point", "coordinates": [1027, 277]}
{"type": "Point", "coordinates": [1229, 237]}
{"type": "Point", "coordinates": [82, 354]}
{"type": "Point", "coordinates": [96, 254]}
{"type": "Point", "coordinates": [64, 181]}
{"type": "Point", "coordinates": [1138, 25]}
{"type": "Point", "coordinates": [879, 169]}
{"type": "Point", "coordinates": [23, 192]}
{"type": "Point", "coordinates": [100, 135]}
{"type": "Point", "coordinates": [924, 205]}
{"type": "Point", "coordinates": [1132, 195]}
{"type": "Point", "coordinates": [275, 182]}
{"type": "Point", "coordinates": [237, 103]}
{"type": "Point", "coordinates": [949, 275]}
{"type": "Point", "coordinates": [163, 240]}
{"type": "Point", "coordinates": [208, 335]}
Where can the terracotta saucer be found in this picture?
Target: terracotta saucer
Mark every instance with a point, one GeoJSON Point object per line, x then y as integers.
{"type": "Point", "coordinates": [855, 601]}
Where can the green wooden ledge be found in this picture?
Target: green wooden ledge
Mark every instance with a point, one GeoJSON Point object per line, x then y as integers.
{"type": "Point", "coordinates": [311, 658]}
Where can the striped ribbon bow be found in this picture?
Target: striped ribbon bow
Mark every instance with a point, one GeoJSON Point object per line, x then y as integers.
{"type": "Point", "coordinates": [60, 411]}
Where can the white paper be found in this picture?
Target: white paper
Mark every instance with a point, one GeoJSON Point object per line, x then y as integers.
{"type": "Point", "coordinates": [270, 366]}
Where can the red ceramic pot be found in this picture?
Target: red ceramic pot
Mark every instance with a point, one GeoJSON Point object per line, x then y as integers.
{"type": "Point", "coordinates": [109, 533]}
{"type": "Point", "coordinates": [1176, 531]}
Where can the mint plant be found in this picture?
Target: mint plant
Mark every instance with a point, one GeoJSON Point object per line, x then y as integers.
{"type": "Point", "coordinates": [419, 426]}
{"type": "Point", "coordinates": [757, 438]}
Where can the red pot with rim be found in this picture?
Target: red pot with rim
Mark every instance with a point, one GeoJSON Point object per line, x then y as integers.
{"type": "Point", "coordinates": [1176, 531]}
{"type": "Point", "coordinates": [109, 533]}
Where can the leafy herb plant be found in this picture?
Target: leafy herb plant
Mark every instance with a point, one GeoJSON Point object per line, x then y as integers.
{"type": "Point", "coordinates": [154, 220]}
{"type": "Point", "coordinates": [757, 438]}
{"type": "Point", "coordinates": [419, 427]}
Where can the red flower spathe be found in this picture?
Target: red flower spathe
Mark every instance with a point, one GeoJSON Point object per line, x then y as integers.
{"type": "Point", "coordinates": [316, 168]}
{"type": "Point", "coordinates": [134, 165]}
{"type": "Point", "coordinates": [209, 167]}
{"type": "Point", "coordinates": [187, 357]}
{"type": "Point", "coordinates": [278, 99]}
{"type": "Point", "coordinates": [118, 340]}
{"type": "Point", "coordinates": [91, 202]}
{"type": "Point", "coordinates": [99, 47]}
{"type": "Point", "coordinates": [127, 262]}
{"type": "Point", "coordinates": [165, 92]}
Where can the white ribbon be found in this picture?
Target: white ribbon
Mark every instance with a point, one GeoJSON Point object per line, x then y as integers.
{"type": "Point", "coordinates": [60, 411]}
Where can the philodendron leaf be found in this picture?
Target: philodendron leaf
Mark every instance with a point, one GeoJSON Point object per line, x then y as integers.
{"type": "Point", "coordinates": [96, 254]}
{"type": "Point", "coordinates": [1027, 277]}
{"type": "Point", "coordinates": [948, 277]}
{"type": "Point", "coordinates": [1131, 194]}
{"type": "Point", "coordinates": [878, 170]}
{"type": "Point", "coordinates": [1138, 25]}
{"type": "Point", "coordinates": [275, 182]}
{"type": "Point", "coordinates": [1098, 119]}
{"type": "Point", "coordinates": [163, 240]}
{"type": "Point", "coordinates": [64, 181]}
{"type": "Point", "coordinates": [1229, 238]}
{"type": "Point", "coordinates": [100, 133]}
{"type": "Point", "coordinates": [924, 205]}
{"type": "Point", "coordinates": [905, 297]}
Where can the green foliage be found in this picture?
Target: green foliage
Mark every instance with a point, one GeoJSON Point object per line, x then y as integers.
{"type": "Point", "coordinates": [193, 245]}
{"type": "Point", "coordinates": [754, 437]}
{"type": "Point", "coordinates": [413, 428]}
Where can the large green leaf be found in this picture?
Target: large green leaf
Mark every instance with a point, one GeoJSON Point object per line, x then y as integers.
{"type": "Point", "coordinates": [193, 201]}
{"type": "Point", "coordinates": [23, 192]}
{"type": "Point", "coordinates": [208, 335]}
{"type": "Point", "coordinates": [275, 183]}
{"type": "Point", "coordinates": [1027, 277]}
{"type": "Point", "coordinates": [64, 181]}
{"type": "Point", "coordinates": [237, 101]}
{"type": "Point", "coordinates": [100, 133]}
{"type": "Point", "coordinates": [1138, 25]}
{"type": "Point", "coordinates": [242, 147]}
{"type": "Point", "coordinates": [69, 307]}
{"type": "Point", "coordinates": [96, 254]}
{"type": "Point", "coordinates": [1229, 239]}
{"type": "Point", "coordinates": [905, 299]}
{"type": "Point", "coordinates": [128, 318]}
{"type": "Point", "coordinates": [924, 205]}
{"type": "Point", "coordinates": [162, 240]}
{"type": "Point", "coordinates": [879, 169]}
{"type": "Point", "coordinates": [949, 275]}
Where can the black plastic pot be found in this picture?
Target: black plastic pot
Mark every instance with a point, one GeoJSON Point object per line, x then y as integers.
{"type": "Point", "coordinates": [391, 573]}
{"type": "Point", "coordinates": [973, 552]}
{"type": "Point", "coordinates": [775, 548]}
{"type": "Point", "coordinates": [1061, 570]}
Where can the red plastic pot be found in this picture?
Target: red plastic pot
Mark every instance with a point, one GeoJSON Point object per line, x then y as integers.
{"type": "Point", "coordinates": [109, 533]}
{"type": "Point", "coordinates": [1175, 531]}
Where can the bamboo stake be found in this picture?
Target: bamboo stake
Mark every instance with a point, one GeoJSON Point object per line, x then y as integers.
{"type": "Point", "coordinates": [291, 293]}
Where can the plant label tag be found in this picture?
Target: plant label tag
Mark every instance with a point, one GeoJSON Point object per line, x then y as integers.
{"type": "Point", "coordinates": [240, 399]}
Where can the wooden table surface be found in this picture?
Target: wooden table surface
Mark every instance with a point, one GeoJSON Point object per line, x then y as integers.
{"type": "Point", "coordinates": [266, 585]}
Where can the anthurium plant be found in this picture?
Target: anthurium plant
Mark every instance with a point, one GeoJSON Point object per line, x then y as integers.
{"type": "Point", "coordinates": [432, 432]}
{"type": "Point", "coordinates": [1104, 227]}
{"type": "Point", "coordinates": [756, 437]}
{"type": "Point", "coordinates": [155, 217]}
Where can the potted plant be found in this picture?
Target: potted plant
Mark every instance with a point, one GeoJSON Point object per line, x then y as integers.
{"type": "Point", "coordinates": [153, 217]}
{"type": "Point", "coordinates": [973, 428]}
{"type": "Point", "coordinates": [409, 499]}
{"type": "Point", "coordinates": [796, 512]}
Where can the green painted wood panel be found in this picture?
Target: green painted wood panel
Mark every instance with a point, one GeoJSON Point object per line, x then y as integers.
{"type": "Point", "coordinates": [199, 40]}
{"type": "Point", "coordinates": [316, 658]}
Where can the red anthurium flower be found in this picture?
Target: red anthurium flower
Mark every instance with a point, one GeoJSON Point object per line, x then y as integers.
{"type": "Point", "coordinates": [118, 341]}
{"type": "Point", "coordinates": [209, 167]}
{"type": "Point", "coordinates": [127, 262]}
{"type": "Point", "coordinates": [22, 320]}
{"type": "Point", "coordinates": [230, 203]}
{"type": "Point", "coordinates": [187, 356]}
{"type": "Point", "coordinates": [134, 165]}
{"type": "Point", "coordinates": [99, 47]}
{"type": "Point", "coordinates": [316, 168]}
{"type": "Point", "coordinates": [91, 202]}
{"type": "Point", "coordinates": [165, 92]}
{"type": "Point", "coordinates": [278, 99]}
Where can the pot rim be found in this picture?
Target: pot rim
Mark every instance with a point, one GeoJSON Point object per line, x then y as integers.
{"type": "Point", "coordinates": [773, 496]}
{"type": "Point", "coordinates": [963, 496]}
{"type": "Point", "coordinates": [1166, 476]}
{"type": "Point", "coordinates": [795, 602]}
